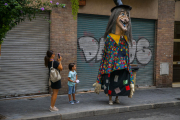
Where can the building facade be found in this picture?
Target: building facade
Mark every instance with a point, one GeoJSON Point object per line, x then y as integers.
{"type": "Point", "coordinates": [156, 43]}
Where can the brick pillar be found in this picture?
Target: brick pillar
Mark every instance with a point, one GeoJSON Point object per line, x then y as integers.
{"type": "Point", "coordinates": [63, 38]}
{"type": "Point", "coordinates": [165, 41]}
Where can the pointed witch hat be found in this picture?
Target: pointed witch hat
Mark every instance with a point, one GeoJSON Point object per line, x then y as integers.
{"type": "Point", "coordinates": [119, 4]}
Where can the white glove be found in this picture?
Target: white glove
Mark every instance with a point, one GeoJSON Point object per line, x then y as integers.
{"type": "Point", "coordinates": [97, 87]}
{"type": "Point", "coordinates": [131, 91]}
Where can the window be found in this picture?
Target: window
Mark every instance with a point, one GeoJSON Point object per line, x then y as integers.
{"type": "Point", "coordinates": [176, 56]}
{"type": "Point", "coordinates": [177, 30]}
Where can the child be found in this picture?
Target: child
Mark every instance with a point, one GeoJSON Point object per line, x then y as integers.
{"type": "Point", "coordinates": [72, 77]}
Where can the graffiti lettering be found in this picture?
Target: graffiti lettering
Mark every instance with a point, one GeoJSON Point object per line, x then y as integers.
{"type": "Point", "coordinates": [89, 46]}
{"type": "Point", "coordinates": [100, 51]}
{"type": "Point", "coordinates": [132, 51]}
{"type": "Point", "coordinates": [92, 49]}
{"type": "Point", "coordinates": [143, 52]}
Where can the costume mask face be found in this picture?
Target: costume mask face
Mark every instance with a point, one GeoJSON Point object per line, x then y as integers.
{"type": "Point", "coordinates": [123, 20]}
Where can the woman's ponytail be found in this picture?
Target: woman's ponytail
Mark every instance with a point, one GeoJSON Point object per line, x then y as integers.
{"type": "Point", "coordinates": [46, 60]}
{"type": "Point", "coordinates": [47, 57]}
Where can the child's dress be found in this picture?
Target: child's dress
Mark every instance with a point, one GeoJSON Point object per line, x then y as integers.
{"type": "Point", "coordinates": [115, 73]}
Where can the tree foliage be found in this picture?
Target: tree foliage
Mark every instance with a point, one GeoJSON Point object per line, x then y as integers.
{"type": "Point", "coordinates": [12, 12]}
{"type": "Point", "coordinates": [75, 7]}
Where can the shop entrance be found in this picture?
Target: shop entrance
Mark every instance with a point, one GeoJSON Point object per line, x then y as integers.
{"type": "Point", "coordinates": [176, 56]}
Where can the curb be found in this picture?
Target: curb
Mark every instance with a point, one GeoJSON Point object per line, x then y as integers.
{"type": "Point", "coordinates": [107, 111]}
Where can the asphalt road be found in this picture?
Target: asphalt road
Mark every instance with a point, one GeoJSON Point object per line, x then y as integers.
{"type": "Point", "coordinates": [169, 113]}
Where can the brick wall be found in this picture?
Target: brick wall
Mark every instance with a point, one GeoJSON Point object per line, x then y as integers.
{"type": "Point", "coordinates": [63, 38]}
{"type": "Point", "coordinates": [165, 41]}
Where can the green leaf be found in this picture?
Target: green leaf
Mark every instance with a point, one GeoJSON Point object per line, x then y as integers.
{"type": "Point", "coordinates": [75, 7]}
{"type": "Point", "coordinates": [11, 14]}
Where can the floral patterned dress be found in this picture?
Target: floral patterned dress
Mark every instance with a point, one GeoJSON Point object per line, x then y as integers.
{"type": "Point", "coordinates": [115, 72]}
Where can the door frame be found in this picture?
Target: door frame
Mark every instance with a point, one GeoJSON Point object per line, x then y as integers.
{"type": "Point", "coordinates": [176, 84]}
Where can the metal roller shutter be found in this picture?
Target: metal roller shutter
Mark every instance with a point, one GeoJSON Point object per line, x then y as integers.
{"type": "Point", "coordinates": [22, 58]}
{"type": "Point", "coordinates": [91, 28]}
{"type": "Point", "coordinates": [143, 32]}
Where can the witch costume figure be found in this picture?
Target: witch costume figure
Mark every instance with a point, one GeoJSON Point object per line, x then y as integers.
{"type": "Point", "coordinates": [115, 75]}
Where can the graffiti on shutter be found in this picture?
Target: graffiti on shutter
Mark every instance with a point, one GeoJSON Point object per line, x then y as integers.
{"type": "Point", "coordinates": [92, 49]}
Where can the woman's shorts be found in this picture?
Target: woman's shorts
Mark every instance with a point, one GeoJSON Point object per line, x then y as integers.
{"type": "Point", "coordinates": [56, 85]}
{"type": "Point", "coordinates": [71, 89]}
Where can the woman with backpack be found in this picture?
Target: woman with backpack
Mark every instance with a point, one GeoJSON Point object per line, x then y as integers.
{"type": "Point", "coordinates": [49, 61]}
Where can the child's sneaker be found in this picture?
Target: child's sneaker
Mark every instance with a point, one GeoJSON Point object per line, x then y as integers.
{"type": "Point", "coordinates": [75, 101]}
{"type": "Point", "coordinates": [71, 102]}
{"type": "Point", "coordinates": [53, 109]}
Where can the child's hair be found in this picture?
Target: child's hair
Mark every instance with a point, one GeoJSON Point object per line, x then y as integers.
{"type": "Point", "coordinates": [71, 65]}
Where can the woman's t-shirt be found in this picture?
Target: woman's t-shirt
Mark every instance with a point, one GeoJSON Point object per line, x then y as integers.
{"type": "Point", "coordinates": [54, 85]}
{"type": "Point", "coordinates": [55, 65]}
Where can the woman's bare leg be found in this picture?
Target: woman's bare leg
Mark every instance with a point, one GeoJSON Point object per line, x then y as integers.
{"type": "Point", "coordinates": [54, 97]}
